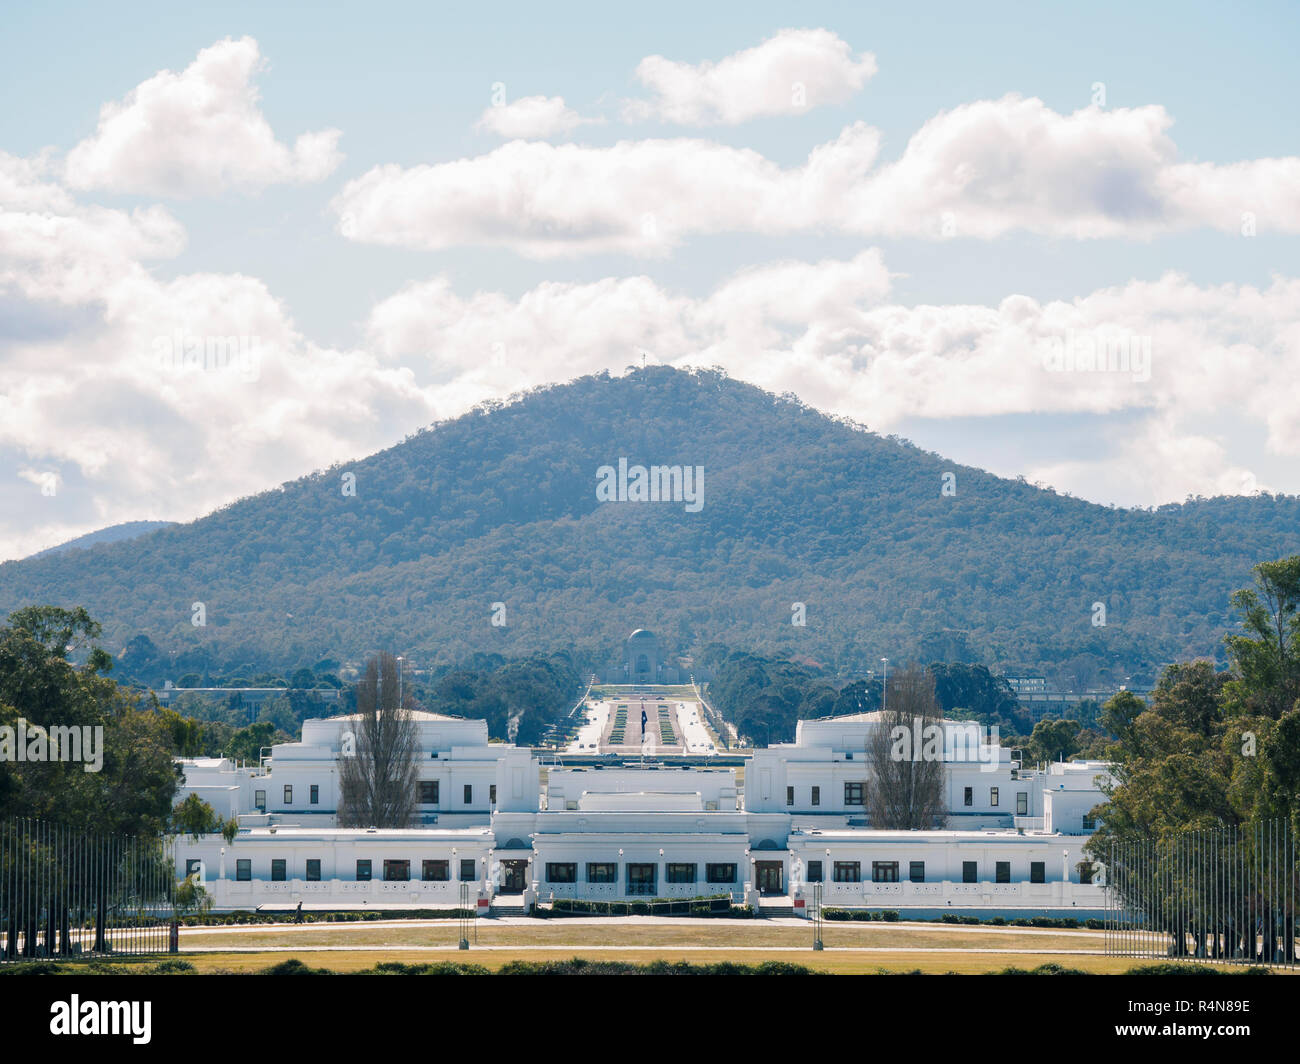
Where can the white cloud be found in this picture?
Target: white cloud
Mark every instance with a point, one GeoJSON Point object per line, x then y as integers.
{"type": "Point", "coordinates": [982, 170]}
{"type": "Point", "coordinates": [159, 399]}
{"type": "Point", "coordinates": [197, 133]}
{"type": "Point", "coordinates": [29, 185]}
{"type": "Point", "coordinates": [637, 197]}
{"type": "Point", "coordinates": [787, 74]}
{"type": "Point", "coordinates": [828, 333]}
{"type": "Point", "coordinates": [532, 117]}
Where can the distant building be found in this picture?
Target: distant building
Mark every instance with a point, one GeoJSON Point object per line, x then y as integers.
{"type": "Point", "coordinates": [641, 657]}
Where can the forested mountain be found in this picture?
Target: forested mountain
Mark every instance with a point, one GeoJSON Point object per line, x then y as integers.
{"type": "Point", "coordinates": [500, 506]}
{"type": "Point", "coordinates": [111, 534]}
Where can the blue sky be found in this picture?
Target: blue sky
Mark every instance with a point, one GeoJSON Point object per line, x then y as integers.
{"type": "Point", "coordinates": [374, 275]}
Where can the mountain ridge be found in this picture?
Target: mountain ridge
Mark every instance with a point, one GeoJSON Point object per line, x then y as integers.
{"type": "Point", "coordinates": [500, 505]}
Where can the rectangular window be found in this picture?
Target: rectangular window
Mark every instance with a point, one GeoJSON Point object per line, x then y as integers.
{"type": "Point", "coordinates": [814, 871]}
{"type": "Point", "coordinates": [1037, 872]}
{"type": "Point", "coordinates": [561, 872]}
{"type": "Point", "coordinates": [1002, 872]}
{"type": "Point", "coordinates": [259, 800]}
{"type": "Point", "coordinates": [968, 798]}
{"type": "Point", "coordinates": [428, 792]}
{"type": "Point", "coordinates": [315, 794]}
{"type": "Point", "coordinates": [720, 873]}
{"type": "Point", "coordinates": [363, 871]}
{"type": "Point", "coordinates": [969, 872]}
{"type": "Point", "coordinates": [467, 870]}
{"type": "Point", "coordinates": [680, 873]}
{"type": "Point", "coordinates": [397, 871]}
{"type": "Point", "coordinates": [884, 871]}
{"type": "Point", "coordinates": [602, 873]}
{"type": "Point", "coordinates": [469, 794]}
{"type": "Point", "coordinates": [492, 794]}
{"type": "Point", "coordinates": [191, 866]}
{"type": "Point", "coordinates": [916, 872]}
{"type": "Point", "coordinates": [313, 870]}
{"type": "Point", "coordinates": [1085, 872]}
{"type": "Point", "coordinates": [1089, 823]}
{"type": "Point", "coordinates": [1022, 803]}
{"type": "Point", "coordinates": [641, 878]}
{"type": "Point", "coordinates": [848, 871]}
{"type": "Point", "coordinates": [288, 794]}
{"type": "Point", "coordinates": [243, 870]}
{"type": "Point", "coordinates": [993, 796]}
{"type": "Point", "coordinates": [278, 870]}
{"type": "Point", "coordinates": [435, 871]}
{"type": "Point", "coordinates": [789, 796]}
{"type": "Point", "coordinates": [816, 796]}
{"type": "Point", "coordinates": [855, 794]}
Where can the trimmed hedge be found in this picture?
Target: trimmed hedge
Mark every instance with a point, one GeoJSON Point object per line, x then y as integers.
{"type": "Point", "coordinates": [574, 966]}
{"type": "Point", "coordinates": [343, 916]}
{"type": "Point", "coordinates": [581, 966]}
{"type": "Point", "coordinates": [1091, 923]}
{"type": "Point", "coordinates": [170, 966]}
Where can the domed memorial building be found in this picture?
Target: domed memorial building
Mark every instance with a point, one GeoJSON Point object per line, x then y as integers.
{"type": "Point", "coordinates": [641, 657]}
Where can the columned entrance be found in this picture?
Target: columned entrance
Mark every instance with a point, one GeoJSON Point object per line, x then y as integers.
{"type": "Point", "coordinates": [769, 877]}
{"type": "Point", "coordinates": [514, 876]}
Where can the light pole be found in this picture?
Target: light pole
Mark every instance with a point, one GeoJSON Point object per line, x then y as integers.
{"type": "Point", "coordinates": [400, 670]}
{"type": "Point", "coordinates": [464, 902]}
{"type": "Point", "coordinates": [884, 685]}
{"type": "Point", "coordinates": [818, 889]}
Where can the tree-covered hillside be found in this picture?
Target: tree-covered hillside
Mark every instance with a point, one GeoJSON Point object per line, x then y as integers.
{"type": "Point", "coordinates": [500, 506]}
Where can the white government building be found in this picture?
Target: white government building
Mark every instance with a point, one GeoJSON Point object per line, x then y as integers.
{"type": "Point", "coordinates": [1012, 842]}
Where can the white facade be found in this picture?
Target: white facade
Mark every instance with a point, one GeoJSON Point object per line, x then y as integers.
{"type": "Point", "coordinates": [1013, 840]}
{"type": "Point", "coordinates": [715, 788]}
{"type": "Point", "coordinates": [463, 778]}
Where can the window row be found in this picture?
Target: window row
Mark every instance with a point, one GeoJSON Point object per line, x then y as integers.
{"type": "Point", "coordinates": [439, 871]}
{"type": "Point", "coordinates": [854, 794]}
{"type": "Point", "coordinates": [607, 872]}
{"type": "Point", "coordinates": [394, 871]}
{"type": "Point", "coordinates": [1022, 799]}
{"type": "Point", "coordinates": [313, 791]}
{"type": "Point", "coordinates": [888, 872]}
{"type": "Point", "coordinates": [429, 794]}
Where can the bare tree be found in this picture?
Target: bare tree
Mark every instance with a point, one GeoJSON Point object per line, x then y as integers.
{"type": "Point", "coordinates": [905, 751]}
{"type": "Point", "coordinates": [378, 775]}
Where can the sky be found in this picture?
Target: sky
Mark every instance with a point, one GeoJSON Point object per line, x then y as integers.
{"type": "Point", "coordinates": [244, 242]}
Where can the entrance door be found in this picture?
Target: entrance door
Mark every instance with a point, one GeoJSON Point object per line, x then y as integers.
{"type": "Point", "coordinates": [513, 876]}
{"type": "Point", "coordinates": [769, 877]}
